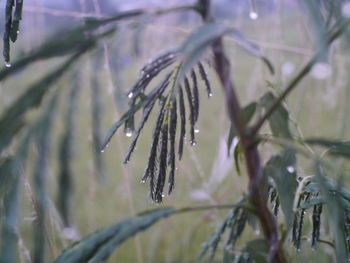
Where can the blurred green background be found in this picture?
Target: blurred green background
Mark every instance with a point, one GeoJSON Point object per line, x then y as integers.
{"type": "Point", "coordinates": [205, 175]}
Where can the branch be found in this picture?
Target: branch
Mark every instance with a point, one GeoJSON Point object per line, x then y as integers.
{"type": "Point", "coordinates": [257, 191]}
{"type": "Point", "coordinates": [298, 78]}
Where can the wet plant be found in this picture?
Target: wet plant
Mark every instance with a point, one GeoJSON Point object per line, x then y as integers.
{"type": "Point", "coordinates": [281, 204]}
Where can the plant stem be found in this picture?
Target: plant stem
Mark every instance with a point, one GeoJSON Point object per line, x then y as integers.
{"type": "Point", "coordinates": [293, 84]}
{"type": "Point", "coordinates": [257, 191]}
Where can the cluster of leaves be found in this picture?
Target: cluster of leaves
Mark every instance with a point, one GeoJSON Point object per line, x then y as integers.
{"type": "Point", "coordinates": [180, 71]}
{"type": "Point", "coordinates": [162, 152]}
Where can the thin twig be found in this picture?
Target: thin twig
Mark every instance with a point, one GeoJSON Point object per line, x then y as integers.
{"type": "Point", "coordinates": [293, 84]}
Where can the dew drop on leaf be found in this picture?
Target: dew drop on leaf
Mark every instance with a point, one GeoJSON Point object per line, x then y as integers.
{"type": "Point", "coordinates": [210, 94]}
{"type": "Point", "coordinates": [290, 169]}
{"type": "Point", "coordinates": [345, 9]}
{"type": "Point", "coordinates": [287, 68]}
{"type": "Point", "coordinates": [128, 133]}
{"type": "Point", "coordinates": [130, 95]}
{"type": "Point", "coordinates": [196, 130]}
{"type": "Point", "coordinates": [8, 64]}
{"type": "Point", "coordinates": [253, 15]}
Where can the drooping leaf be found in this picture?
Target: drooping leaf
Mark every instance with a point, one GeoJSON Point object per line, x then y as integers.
{"type": "Point", "coordinates": [172, 136]}
{"type": "Point", "coordinates": [74, 42]}
{"type": "Point", "coordinates": [42, 138]}
{"type": "Point", "coordinates": [182, 111]}
{"type": "Point", "coordinates": [281, 169]}
{"type": "Point", "coordinates": [145, 115]}
{"type": "Point", "coordinates": [96, 114]}
{"type": "Point", "coordinates": [279, 120]}
{"type": "Point", "coordinates": [98, 246]}
{"type": "Point", "coordinates": [66, 150]}
{"type": "Point", "coordinates": [143, 103]}
{"type": "Point", "coordinates": [7, 31]}
{"type": "Point", "coordinates": [250, 47]}
{"type": "Point", "coordinates": [258, 250]}
{"type": "Point", "coordinates": [195, 45]}
{"type": "Point", "coordinates": [12, 120]}
{"type": "Point", "coordinates": [233, 222]}
{"type": "Point", "coordinates": [12, 170]}
{"type": "Point", "coordinates": [336, 148]}
{"type": "Point", "coordinates": [335, 213]}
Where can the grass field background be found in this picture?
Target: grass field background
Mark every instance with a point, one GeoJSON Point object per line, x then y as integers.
{"type": "Point", "coordinates": [206, 175]}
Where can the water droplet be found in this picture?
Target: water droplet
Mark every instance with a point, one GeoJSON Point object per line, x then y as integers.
{"type": "Point", "coordinates": [103, 150]}
{"type": "Point", "coordinates": [290, 169]}
{"type": "Point", "coordinates": [8, 64]}
{"type": "Point", "coordinates": [287, 68]}
{"type": "Point", "coordinates": [147, 76]}
{"type": "Point", "coordinates": [210, 94]}
{"type": "Point", "coordinates": [130, 95]}
{"type": "Point", "coordinates": [345, 9]}
{"type": "Point", "coordinates": [128, 133]}
{"type": "Point", "coordinates": [143, 181]}
{"type": "Point", "coordinates": [142, 72]}
{"type": "Point", "coordinates": [321, 70]}
{"type": "Point", "coordinates": [193, 143]}
{"type": "Point", "coordinates": [176, 168]}
{"type": "Point", "coordinates": [253, 15]}
{"type": "Point", "coordinates": [171, 56]}
{"type": "Point", "coordinates": [163, 195]}
{"type": "Point", "coordinates": [298, 250]}
{"type": "Point", "coordinates": [17, 32]}
{"type": "Point", "coordinates": [196, 130]}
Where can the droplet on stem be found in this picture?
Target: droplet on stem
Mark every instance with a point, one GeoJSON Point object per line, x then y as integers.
{"type": "Point", "coordinates": [130, 95]}
{"type": "Point", "coordinates": [253, 15]}
{"type": "Point", "coordinates": [321, 70]}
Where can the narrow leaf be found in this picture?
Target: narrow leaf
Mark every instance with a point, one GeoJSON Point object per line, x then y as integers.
{"type": "Point", "coordinates": [281, 169]}
{"type": "Point", "coordinates": [182, 111]}
{"type": "Point", "coordinates": [12, 120]}
{"type": "Point", "coordinates": [98, 246]}
{"type": "Point", "coordinates": [336, 148]}
{"type": "Point", "coordinates": [279, 120]}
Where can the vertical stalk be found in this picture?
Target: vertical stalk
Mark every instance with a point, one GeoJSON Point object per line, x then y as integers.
{"type": "Point", "coordinates": [257, 191]}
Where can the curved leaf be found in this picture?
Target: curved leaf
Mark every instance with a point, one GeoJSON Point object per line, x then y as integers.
{"type": "Point", "coordinates": [195, 45]}
{"type": "Point", "coordinates": [100, 245]}
{"type": "Point", "coordinates": [337, 148]}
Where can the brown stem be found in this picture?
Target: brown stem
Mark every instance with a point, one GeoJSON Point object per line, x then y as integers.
{"type": "Point", "coordinates": [257, 191]}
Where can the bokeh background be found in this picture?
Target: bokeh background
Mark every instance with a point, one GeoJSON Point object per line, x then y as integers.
{"type": "Point", "coordinates": [206, 175]}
